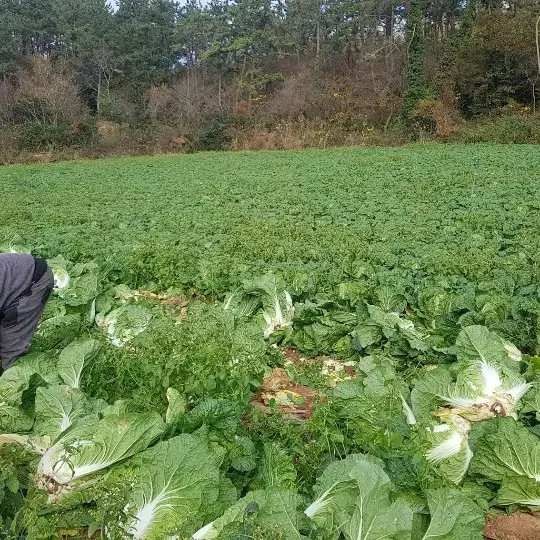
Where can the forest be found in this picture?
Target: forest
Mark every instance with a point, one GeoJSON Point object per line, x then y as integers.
{"type": "Point", "coordinates": [147, 76]}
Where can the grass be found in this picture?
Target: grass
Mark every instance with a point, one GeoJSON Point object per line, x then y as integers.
{"type": "Point", "coordinates": [204, 221]}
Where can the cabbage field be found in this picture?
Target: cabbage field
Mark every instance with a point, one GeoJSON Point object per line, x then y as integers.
{"type": "Point", "coordinates": [323, 344]}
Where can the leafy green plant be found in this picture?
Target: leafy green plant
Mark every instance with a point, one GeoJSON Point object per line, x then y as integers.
{"type": "Point", "coordinates": [38, 136]}
{"type": "Point", "coordinates": [435, 326]}
{"type": "Point", "coordinates": [216, 133]}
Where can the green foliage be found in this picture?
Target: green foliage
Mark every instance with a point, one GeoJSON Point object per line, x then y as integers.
{"type": "Point", "coordinates": [413, 331]}
{"type": "Point", "coordinates": [414, 35]}
{"type": "Point", "coordinates": [215, 133]}
{"type": "Point", "coordinates": [151, 23]}
{"type": "Point", "coordinates": [37, 136]}
{"type": "Point", "coordinates": [161, 70]}
{"type": "Point", "coordinates": [176, 480]}
{"type": "Point", "coordinates": [503, 129]}
{"type": "Point", "coordinates": [255, 81]}
{"type": "Point", "coordinates": [15, 466]}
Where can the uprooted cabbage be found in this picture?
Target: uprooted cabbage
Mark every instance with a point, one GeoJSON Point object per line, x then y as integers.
{"type": "Point", "coordinates": [124, 323]}
{"type": "Point", "coordinates": [92, 445]}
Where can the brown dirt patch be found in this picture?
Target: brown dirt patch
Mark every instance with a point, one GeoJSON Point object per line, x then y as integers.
{"type": "Point", "coordinates": [178, 301]}
{"type": "Point", "coordinates": [293, 356]}
{"type": "Point", "coordinates": [517, 526]}
{"type": "Point", "coordinates": [174, 301]}
{"type": "Point", "coordinates": [279, 393]}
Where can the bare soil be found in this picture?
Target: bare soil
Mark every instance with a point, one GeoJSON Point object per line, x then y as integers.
{"type": "Point", "coordinates": [279, 393]}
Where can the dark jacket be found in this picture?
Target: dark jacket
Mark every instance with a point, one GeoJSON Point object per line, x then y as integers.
{"type": "Point", "coordinates": [16, 272]}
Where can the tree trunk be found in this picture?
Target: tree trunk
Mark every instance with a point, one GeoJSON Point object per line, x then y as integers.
{"type": "Point", "coordinates": [98, 102]}
{"type": "Point", "coordinates": [389, 21]}
{"type": "Point", "coordinates": [317, 50]}
{"type": "Point", "coordinates": [538, 42]}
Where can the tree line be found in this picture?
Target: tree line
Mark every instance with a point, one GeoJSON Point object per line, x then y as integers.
{"type": "Point", "coordinates": [204, 74]}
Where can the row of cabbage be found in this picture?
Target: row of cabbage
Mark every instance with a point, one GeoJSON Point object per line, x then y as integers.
{"type": "Point", "coordinates": [467, 428]}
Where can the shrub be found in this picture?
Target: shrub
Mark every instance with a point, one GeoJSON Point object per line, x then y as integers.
{"type": "Point", "coordinates": [36, 136]}
{"type": "Point", "coordinates": [504, 129]}
{"type": "Point", "coordinates": [8, 144]}
{"type": "Point", "coordinates": [433, 116]}
{"type": "Point", "coordinates": [216, 133]}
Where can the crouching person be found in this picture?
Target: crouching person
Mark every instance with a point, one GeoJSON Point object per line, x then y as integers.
{"type": "Point", "coordinates": [25, 285]}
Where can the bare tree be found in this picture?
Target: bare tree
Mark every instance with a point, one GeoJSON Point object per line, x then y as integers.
{"type": "Point", "coordinates": [48, 94]}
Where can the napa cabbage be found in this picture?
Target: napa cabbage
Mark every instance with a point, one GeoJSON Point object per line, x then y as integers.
{"type": "Point", "coordinates": [508, 454]}
{"type": "Point", "coordinates": [268, 294]}
{"type": "Point", "coordinates": [17, 386]}
{"type": "Point", "coordinates": [335, 487]}
{"type": "Point", "coordinates": [59, 267]}
{"type": "Point", "coordinates": [124, 323]}
{"type": "Point", "coordinates": [354, 499]}
{"type": "Point", "coordinates": [75, 284]}
{"type": "Point", "coordinates": [272, 510]}
{"type": "Point", "coordinates": [176, 481]}
{"type": "Point", "coordinates": [488, 382]}
{"type": "Point", "coordinates": [57, 408]}
{"type": "Point", "coordinates": [454, 516]}
{"type": "Point", "coordinates": [449, 448]}
{"type": "Point", "coordinates": [485, 383]}
{"type": "Point", "coordinates": [75, 358]}
{"type": "Point", "coordinates": [93, 445]}
{"type": "Point", "coordinates": [407, 411]}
